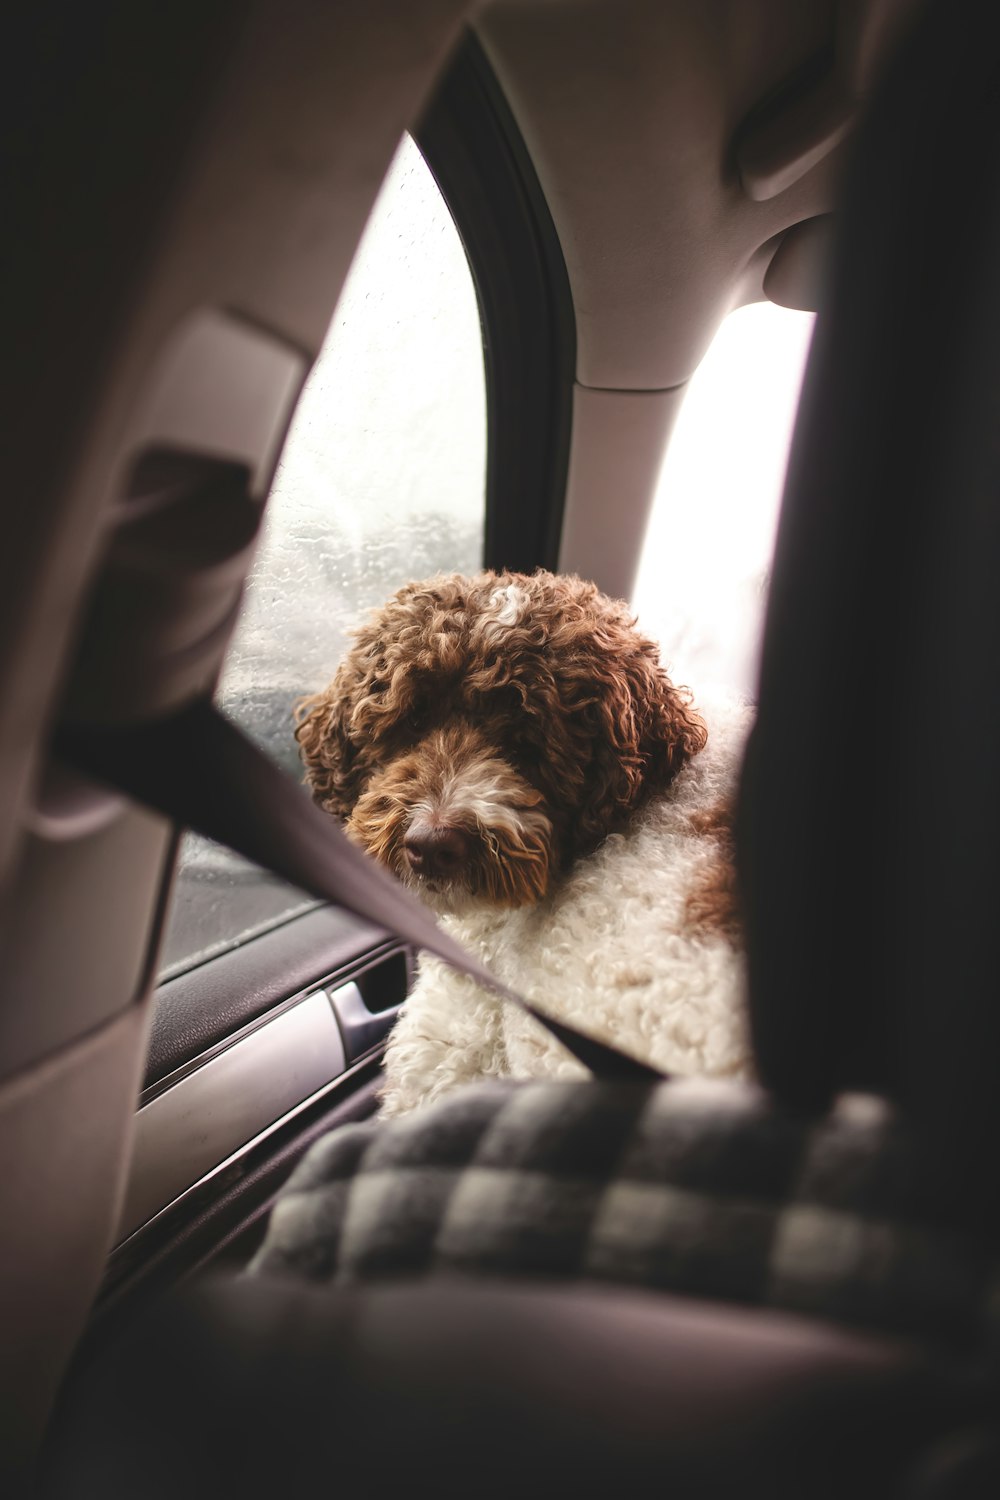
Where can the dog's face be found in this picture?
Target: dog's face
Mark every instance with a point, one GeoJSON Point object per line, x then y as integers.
{"type": "Point", "coordinates": [484, 732]}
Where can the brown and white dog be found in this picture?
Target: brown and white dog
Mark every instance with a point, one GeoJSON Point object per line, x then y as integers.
{"type": "Point", "coordinates": [511, 747]}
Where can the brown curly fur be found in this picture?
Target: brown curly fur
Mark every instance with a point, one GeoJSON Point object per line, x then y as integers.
{"type": "Point", "coordinates": [714, 904]}
{"type": "Point", "coordinates": [537, 721]}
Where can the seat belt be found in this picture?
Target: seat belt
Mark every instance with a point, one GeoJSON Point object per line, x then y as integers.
{"type": "Point", "coordinates": [198, 769]}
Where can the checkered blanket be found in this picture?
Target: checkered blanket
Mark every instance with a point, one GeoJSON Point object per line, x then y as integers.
{"type": "Point", "coordinates": [689, 1186]}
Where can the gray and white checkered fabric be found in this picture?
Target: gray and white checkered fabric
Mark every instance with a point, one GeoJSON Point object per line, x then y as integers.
{"type": "Point", "coordinates": [688, 1186]}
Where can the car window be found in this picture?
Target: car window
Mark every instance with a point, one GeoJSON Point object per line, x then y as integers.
{"type": "Point", "coordinates": [382, 479]}
{"type": "Point", "coordinates": [702, 579]}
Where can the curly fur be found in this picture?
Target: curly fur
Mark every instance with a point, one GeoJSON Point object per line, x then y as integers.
{"type": "Point", "coordinates": [529, 707]}
{"type": "Point", "coordinates": [528, 718]}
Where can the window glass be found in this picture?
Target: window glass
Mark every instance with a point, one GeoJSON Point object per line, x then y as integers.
{"type": "Point", "coordinates": [702, 579]}
{"type": "Point", "coordinates": [381, 480]}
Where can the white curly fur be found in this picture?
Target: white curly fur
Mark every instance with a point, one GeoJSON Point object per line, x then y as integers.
{"type": "Point", "coordinates": [608, 950]}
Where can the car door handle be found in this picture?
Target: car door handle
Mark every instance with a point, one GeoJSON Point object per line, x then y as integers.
{"type": "Point", "coordinates": [360, 1027]}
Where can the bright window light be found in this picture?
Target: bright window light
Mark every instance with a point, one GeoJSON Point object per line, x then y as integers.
{"type": "Point", "coordinates": [703, 575]}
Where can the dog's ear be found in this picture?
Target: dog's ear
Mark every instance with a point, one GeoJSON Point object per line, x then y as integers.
{"type": "Point", "coordinates": [673, 730]}
{"type": "Point", "coordinates": [334, 771]}
{"type": "Point", "coordinates": [645, 729]}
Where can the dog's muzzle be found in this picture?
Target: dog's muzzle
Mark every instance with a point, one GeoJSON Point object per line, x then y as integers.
{"type": "Point", "coordinates": [436, 849]}
{"type": "Point", "coordinates": [458, 822]}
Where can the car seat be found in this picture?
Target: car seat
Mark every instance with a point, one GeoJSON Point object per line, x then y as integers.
{"type": "Point", "coordinates": [868, 825]}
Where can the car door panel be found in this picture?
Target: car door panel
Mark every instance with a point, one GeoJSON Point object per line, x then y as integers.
{"type": "Point", "coordinates": [245, 1069]}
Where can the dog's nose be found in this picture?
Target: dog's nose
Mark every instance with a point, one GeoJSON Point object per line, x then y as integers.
{"type": "Point", "coordinates": [436, 849]}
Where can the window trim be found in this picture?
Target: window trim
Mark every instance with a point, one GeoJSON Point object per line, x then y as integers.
{"type": "Point", "coordinates": [472, 145]}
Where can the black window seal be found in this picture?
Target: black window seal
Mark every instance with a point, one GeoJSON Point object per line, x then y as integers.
{"type": "Point", "coordinates": [474, 150]}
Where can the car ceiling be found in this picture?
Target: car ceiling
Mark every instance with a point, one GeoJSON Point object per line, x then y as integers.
{"type": "Point", "coordinates": [677, 143]}
{"type": "Point", "coordinates": [689, 152]}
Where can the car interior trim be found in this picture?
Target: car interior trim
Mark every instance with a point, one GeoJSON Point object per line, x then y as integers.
{"type": "Point", "coordinates": [204, 1006]}
{"type": "Point", "coordinates": [218, 1218]}
{"type": "Point", "coordinates": [473, 147]}
{"type": "Point", "coordinates": [619, 438]}
{"type": "Point", "coordinates": [199, 1121]}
